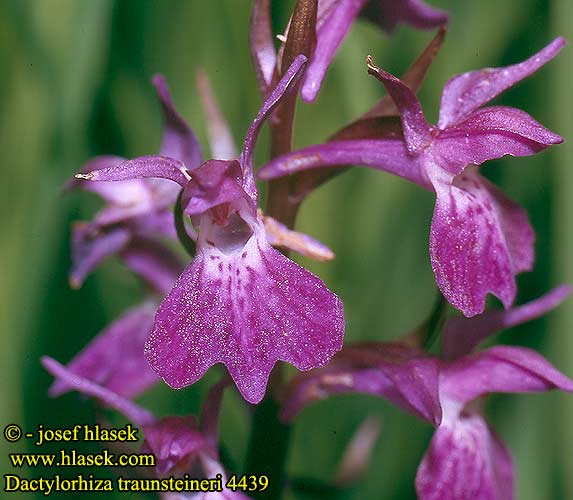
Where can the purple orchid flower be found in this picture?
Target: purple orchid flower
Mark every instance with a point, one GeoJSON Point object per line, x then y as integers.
{"type": "Point", "coordinates": [479, 239]}
{"type": "Point", "coordinates": [181, 444]}
{"type": "Point", "coordinates": [466, 460]}
{"type": "Point", "coordinates": [137, 211]}
{"type": "Point", "coordinates": [240, 302]}
{"type": "Point", "coordinates": [334, 19]}
{"type": "Point", "coordinates": [115, 358]}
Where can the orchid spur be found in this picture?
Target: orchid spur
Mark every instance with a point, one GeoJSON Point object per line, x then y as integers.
{"type": "Point", "coordinates": [479, 239]}
{"type": "Point", "coordinates": [240, 302]}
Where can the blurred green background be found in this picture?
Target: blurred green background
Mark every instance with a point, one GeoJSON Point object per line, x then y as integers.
{"type": "Point", "coordinates": [75, 83]}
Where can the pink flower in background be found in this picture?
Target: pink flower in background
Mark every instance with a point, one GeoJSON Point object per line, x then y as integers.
{"type": "Point", "coordinates": [479, 239]}
{"type": "Point", "coordinates": [335, 17]}
{"type": "Point", "coordinates": [137, 211]}
{"type": "Point", "coordinates": [240, 302]}
{"type": "Point", "coordinates": [331, 24]}
{"type": "Point", "coordinates": [180, 445]}
{"type": "Point", "coordinates": [466, 460]}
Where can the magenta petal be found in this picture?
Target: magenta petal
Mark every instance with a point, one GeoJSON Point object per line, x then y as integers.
{"type": "Point", "coordinates": [175, 442]}
{"type": "Point", "coordinates": [91, 245]}
{"type": "Point", "coordinates": [333, 29]}
{"type": "Point", "coordinates": [115, 358]}
{"type": "Point", "coordinates": [179, 141]}
{"type": "Point", "coordinates": [461, 335]}
{"type": "Point", "coordinates": [491, 133]}
{"type": "Point", "coordinates": [466, 92]}
{"type": "Point", "coordinates": [389, 155]}
{"type": "Point", "coordinates": [220, 136]}
{"type": "Point", "coordinates": [126, 407]}
{"type": "Point", "coordinates": [391, 13]}
{"type": "Point", "coordinates": [416, 128]}
{"type": "Point", "coordinates": [279, 235]}
{"type": "Point", "coordinates": [139, 168]}
{"type": "Point", "coordinates": [213, 183]}
{"type": "Point", "coordinates": [479, 240]}
{"type": "Point", "coordinates": [465, 461]}
{"type": "Point", "coordinates": [500, 369]}
{"type": "Point", "coordinates": [247, 309]}
{"type": "Point", "coordinates": [263, 52]}
{"type": "Point", "coordinates": [157, 264]}
{"type": "Point", "coordinates": [406, 377]}
{"type": "Point", "coordinates": [284, 87]}
{"type": "Point", "coordinates": [120, 193]}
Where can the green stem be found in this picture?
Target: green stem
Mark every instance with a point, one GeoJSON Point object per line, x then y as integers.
{"type": "Point", "coordinates": [269, 439]}
{"type": "Point", "coordinates": [184, 238]}
{"type": "Point", "coordinates": [425, 335]}
{"type": "Point", "coordinates": [435, 322]}
{"type": "Point", "coordinates": [268, 447]}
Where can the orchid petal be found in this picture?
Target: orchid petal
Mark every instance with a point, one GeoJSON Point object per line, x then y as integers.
{"type": "Point", "coordinates": [279, 235]}
{"type": "Point", "coordinates": [130, 410]}
{"type": "Point", "coordinates": [479, 240]}
{"type": "Point", "coordinates": [213, 183]}
{"type": "Point", "coordinates": [220, 136]}
{"type": "Point", "coordinates": [414, 77]}
{"type": "Point", "coordinates": [358, 453]}
{"type": "Point", "coordinates": [175, 442]}
{"type": "Point", "coordinates": [500, 369]}
{"type": "Point", "coordinates": [154, 262]}
{"type": "Point", "coordinates": [263, 52]}
{"type": "Point", "coordinates": [391, 13]}
{"type": "Point", "coordinates": [286, 85]}
{"type": "Point", "coordinates": [125, 194]}
{"type": "Point", "coordinates": [465, 461]}
{"type": "Point", "coordinates": [139, 168]}
{"type": "Point", "coordinates": [406, 377]}
{"type": "Point", "coordinates": [158, 223]}
{"type": "Point", "coordinates": [389, 155]}
{"type": "Point", "coordinates": [465, 93]}
{"type": "Point", "coordinates": [115, 359]}
{"type": "Point", "coordinates": [416, 128]}
{"type": "Point", "coordinates": [179, 141]}
{"type": "Point", "coordinates": [462, 335]}
{"type": "Point", "coordinates": [490, 133]}
{"type": "Point", "coordinates": [329, 37]}
{"type": "Point", "coordinates": [91, 245]}
{"type": "Point", "coordinates": [246, 308]}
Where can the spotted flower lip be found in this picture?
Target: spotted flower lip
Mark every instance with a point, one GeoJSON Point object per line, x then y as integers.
{"type": "Point", "coordinates": [479, 239]}
{"type": "Point", "coordinates": [240, 302]}
{"type": "Point", "coordinates": [137, 211]}
{"type": "Point", "coordinates": [180, 444]}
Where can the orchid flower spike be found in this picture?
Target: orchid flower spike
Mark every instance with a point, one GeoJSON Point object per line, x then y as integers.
{"type": "Point", "coordinates": [240, 302]}
{"type": "Point", "coordinates": [479, 239]}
